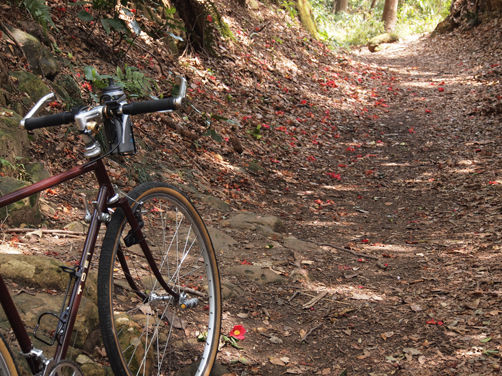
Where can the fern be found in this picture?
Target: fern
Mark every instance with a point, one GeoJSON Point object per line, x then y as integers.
{"type": "Point", "coordinates": [134, 81]}
{"type": "Point", "coordinates": [39, 11]}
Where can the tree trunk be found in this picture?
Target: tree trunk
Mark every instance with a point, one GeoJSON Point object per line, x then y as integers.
{"type": "Point", "coordinates": [341, 6]}
{"type": "Point", "coordinates": [307, 17]}
{"type": "Point", "coordinates": [373, 3]}
{"type": "Point", "coordinates": [194, 16]}
{"type": "Point", "coordinates": [389, 16]}
{"type": "Point", "coordinates": [469, 14]}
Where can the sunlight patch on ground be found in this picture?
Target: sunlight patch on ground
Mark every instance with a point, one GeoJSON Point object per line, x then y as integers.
{"type": "Point", "coordinates": [464, 170]}
{"type": "Point", "coordinates": [393, 164]}
{"type": "Point", "coordinates": [395, 248]}
{"type": "Point", "coordinates": [352, 292]}
{"type": "Point", "coordinates": [218, 159]}
{"type": "Point", "coordinates": [343, 188]}
{"type": "Point", "coordinates": [356, 292]}
{"type": "Point", "coordinates": [475, 351]}
{"type": "Point", "coordinates": [284, 65]}
{"type": "Point", "coordinates": [7, 249]}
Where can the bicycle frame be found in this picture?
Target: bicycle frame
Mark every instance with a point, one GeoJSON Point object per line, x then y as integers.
{"type": "Point", "coordinates": [106, 198]}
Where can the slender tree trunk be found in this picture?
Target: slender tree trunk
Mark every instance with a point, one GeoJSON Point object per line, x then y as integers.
{"type": "Point", "coordinates": [389, 15]}
{"type": "Point", "coordinates": [340, 5]}
{"type": "Point", "coordinates": [373, 3]}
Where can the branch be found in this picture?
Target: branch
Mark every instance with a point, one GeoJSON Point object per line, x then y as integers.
{"type": "Point", "coordinates": [349, 251]}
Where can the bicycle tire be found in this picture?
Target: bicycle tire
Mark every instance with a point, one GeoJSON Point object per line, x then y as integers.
{"type": "Point", "coordinates": [7, 363]}
{"type": "Point", "coordinates": [144, 333]}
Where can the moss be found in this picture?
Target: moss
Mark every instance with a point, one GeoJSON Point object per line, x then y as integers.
{"type": "Point", "coordinates": [31, 84]}
{"type": "Point", "coordinates": [307, 18]}
{"type": "Point", "coordinates": [380, 39]}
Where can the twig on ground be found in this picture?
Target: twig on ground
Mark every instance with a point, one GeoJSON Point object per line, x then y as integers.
{"type": "Point", "coordinates": [349, 251]}
{"type": "Point", "coordinates": [43, 230]}
{"type": "Point", "coordinates": [304, 337]}
{"type": "Point", "coordinates": [314, 300]}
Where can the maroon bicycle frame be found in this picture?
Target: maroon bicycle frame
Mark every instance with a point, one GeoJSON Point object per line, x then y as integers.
{"type": "Point", "coordinates": [105, 192]}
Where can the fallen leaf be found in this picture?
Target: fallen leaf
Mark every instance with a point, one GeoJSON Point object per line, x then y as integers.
{"type": "Point", "coordinates": [276, 361]}
{"type": "Point", "coordinates": [416, 307]}
{"type": "Point", "coordinates": [386, 335]}
{"type": "Point", "coordinates": [294, 370]}
{"type": "Point", "coordinates": [275, 340]}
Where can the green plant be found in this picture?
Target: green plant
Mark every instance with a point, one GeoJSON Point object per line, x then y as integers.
{"type": "Point", "coordinates": [16, 169]}
{"type": "Point", "coordinates": [290, 7]}
{"type": "Point", "coordinates": [98, 81]}
{"type": "Point", "coordinates": [5, 163]}
{"type": "Point", "coordinates": [134, 82]}
{"type": "Point", "coordinates": [106, 13]}
{"type": "Point", "coordinates": [256, 132]}
{"type": "Point", "coordinates": [362, 22]}
{"type": "Point", "coordinates": [39, 11]}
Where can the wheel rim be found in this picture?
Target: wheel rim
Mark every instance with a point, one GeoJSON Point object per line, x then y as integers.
{"type": "Point", "coordinates": [166, 337]}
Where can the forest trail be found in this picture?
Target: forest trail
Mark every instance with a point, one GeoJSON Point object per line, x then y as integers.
{"type": "Point", "coordinates": [353, 198]}
{"type": "Point", "coordinates": [411, 281]}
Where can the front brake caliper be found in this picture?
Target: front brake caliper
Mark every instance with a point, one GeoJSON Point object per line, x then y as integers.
{"type": "Point", "coordinates": [131, 238]}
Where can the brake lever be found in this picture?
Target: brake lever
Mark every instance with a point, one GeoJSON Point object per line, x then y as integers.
{"type": "Point", "coordinates": [36, 108]}
{"type": "Point", "coordinates": [178, 100]}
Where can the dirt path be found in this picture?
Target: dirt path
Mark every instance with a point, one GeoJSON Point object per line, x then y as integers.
{"type": "Point", "coordinates": [412, 284]}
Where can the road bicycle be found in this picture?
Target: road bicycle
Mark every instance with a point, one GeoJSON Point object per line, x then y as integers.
{"type": "Point", "coordinates": [159, 298]}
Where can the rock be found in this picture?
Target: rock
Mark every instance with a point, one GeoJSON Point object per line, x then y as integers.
{"type": "Point", "coordinates": [299, 245]}
{"type": "Point", "coordinates": [215, 202]}
{"type": "Point", "coordinates": [229, 290]}
{"type": "Point", "coordinates": [221, 241]}
{"type": "Point", "coordinates": [13, 140]}
{"type": "Point", "coordinates": [76, 226]}
{"type": "Point", "coordinates": [31, 307]}
{"type": "Point", "coordinates": [94, 369]}
{"type": "Point", "coordinates": [31, 84]}
{"type": "Point", "coordinates": [39, 57]}
{"type": "Point", "coordinates": [36, 171]}
{"type": "Point", "coordinates": [23, 211]}
{"type": "Point", "coordinates": [253, 4]}
{"type": "Point", "coordinates": [258, 274]}
{"type": "Point", "coordinates": [267, 224]}
{"type": "Point", "coordinates": [39, 272]}
{"type": "Point", "coordinates": [83, 359]}
{"type": "Point", "coordinates": [67, 89]}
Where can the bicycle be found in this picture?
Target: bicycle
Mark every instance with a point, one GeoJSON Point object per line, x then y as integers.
{"type": "Point", "coordinates": [159, 298]}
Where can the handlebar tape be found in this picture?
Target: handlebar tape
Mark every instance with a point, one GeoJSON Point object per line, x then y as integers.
{"type": "Point", "coordinates": [149, 106]}
{"type": "Point", "coordinates": [49, 120]}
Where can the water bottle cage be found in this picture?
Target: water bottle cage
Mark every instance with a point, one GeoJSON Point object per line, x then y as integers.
{"type": "Point", "coordinates": [61, 318]}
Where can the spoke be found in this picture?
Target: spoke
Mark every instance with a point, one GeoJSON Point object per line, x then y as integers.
{"type": "Point", "coordinates": [177, 272]}
{"type": "Point", "coordinates": [155, 334]}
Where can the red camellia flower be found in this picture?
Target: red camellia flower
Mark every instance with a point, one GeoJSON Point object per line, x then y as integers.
{"type": "Point", "coordinates": [209, 18]}
{"type": "Point", "coordinates": [238, 332]}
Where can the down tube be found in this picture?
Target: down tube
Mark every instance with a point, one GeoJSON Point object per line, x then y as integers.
{"type": "Point", "coordinates": [83, 271]}
{"type": "Point", "coordinates": [17, 325]}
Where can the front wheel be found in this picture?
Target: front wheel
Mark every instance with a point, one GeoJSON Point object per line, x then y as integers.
{"type": "Point", "coordinates": [145, 330]}
{"type": "Point", "coordinates": [7, 364]}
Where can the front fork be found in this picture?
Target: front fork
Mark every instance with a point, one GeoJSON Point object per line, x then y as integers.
{"type": "Point", "coordinates": [136, 237]}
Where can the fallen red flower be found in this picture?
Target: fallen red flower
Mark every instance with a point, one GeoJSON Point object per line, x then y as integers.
{"type": "Point", "coordinates": [238, 332]}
